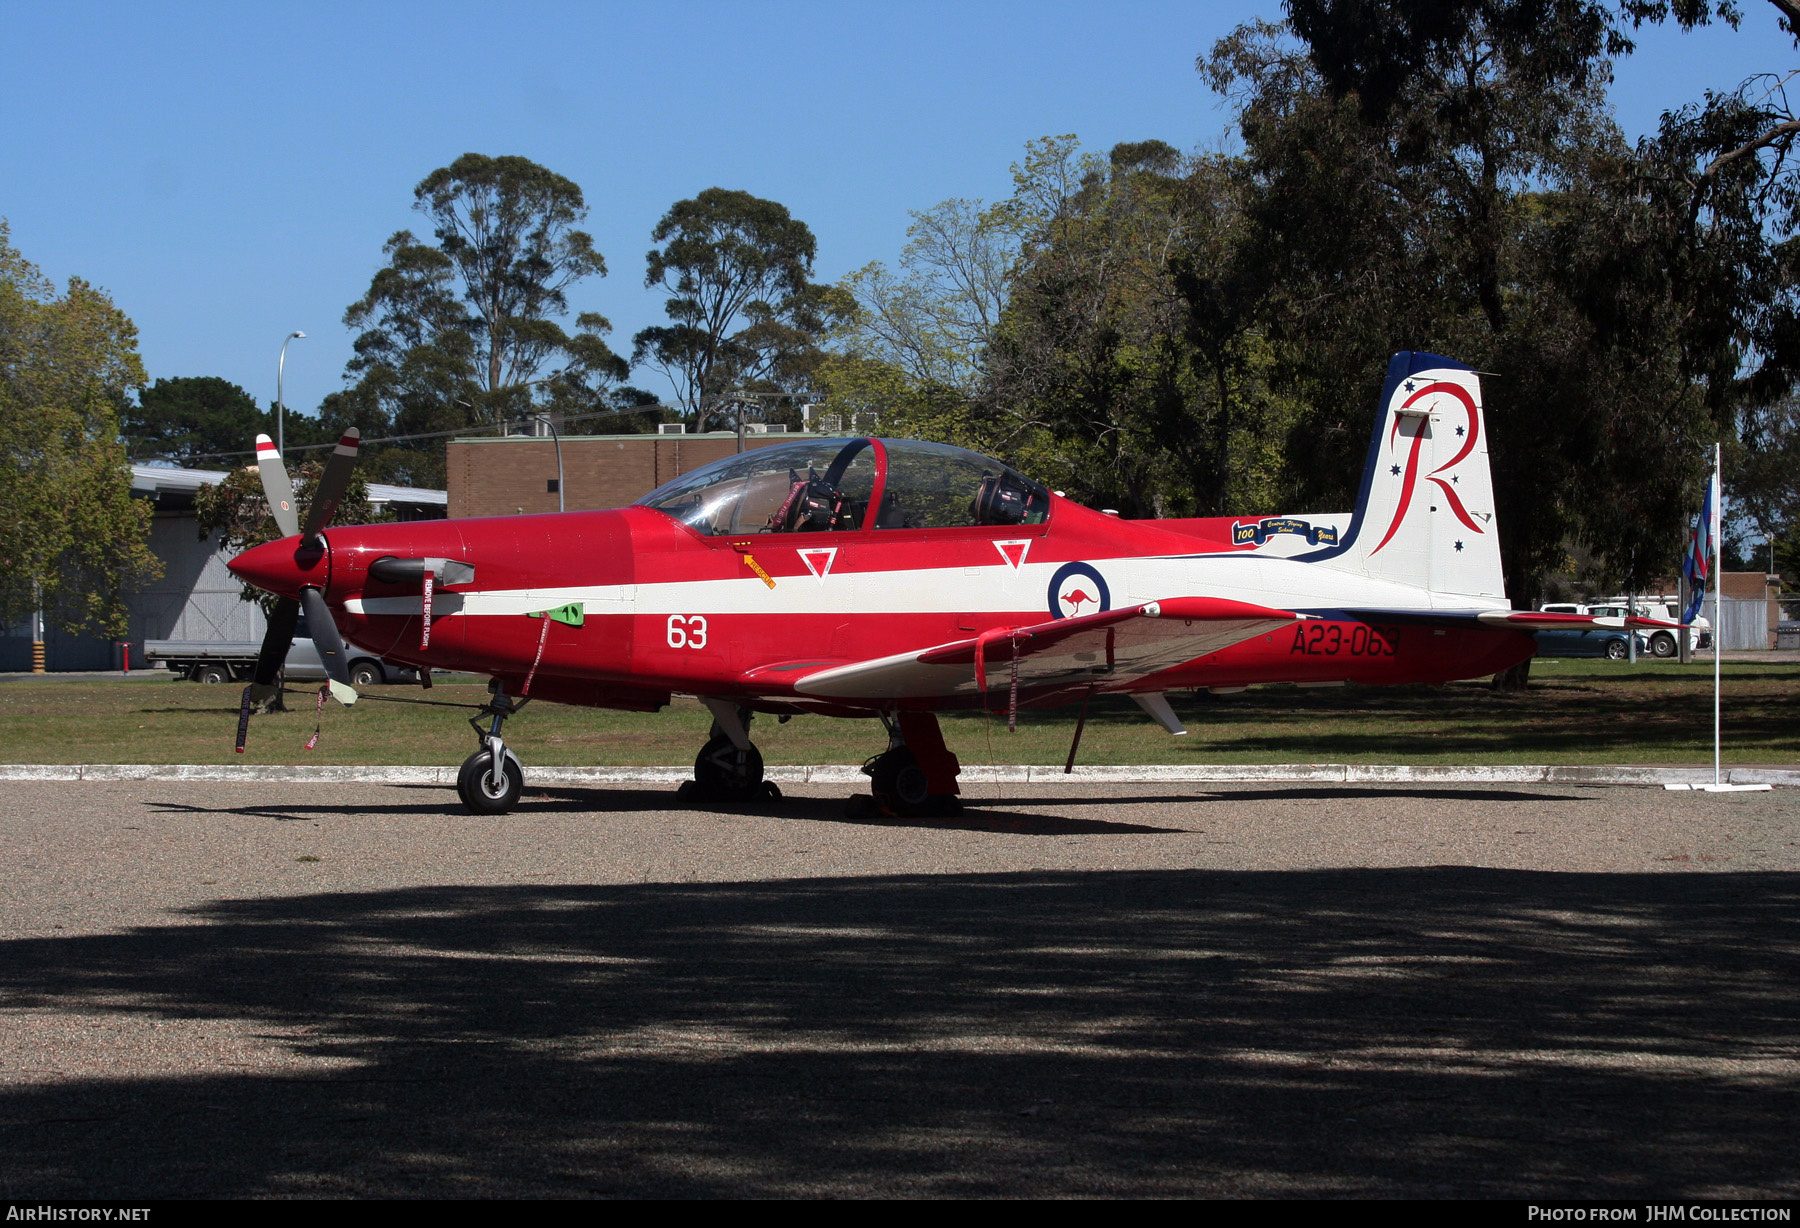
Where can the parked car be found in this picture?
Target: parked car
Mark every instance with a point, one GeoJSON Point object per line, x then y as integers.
{"type": "Point", "coordinates": [1609, 642]}
{"type": "Point", "coordinates": [219, 661]}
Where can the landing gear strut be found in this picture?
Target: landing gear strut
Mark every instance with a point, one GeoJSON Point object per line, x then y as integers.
{"type": "Point", "coordinates": [491, 779]}
{"type": "Point", "coordinates": [915, 777]}
{"type": "Point", "coordinates": [729, 768]}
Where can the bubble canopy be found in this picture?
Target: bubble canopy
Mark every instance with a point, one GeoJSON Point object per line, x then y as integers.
{"type": "Point", "coordinates": [849, 485]}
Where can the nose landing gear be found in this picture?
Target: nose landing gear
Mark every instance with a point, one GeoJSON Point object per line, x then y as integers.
{"type": "Point", "coordinates": [492, 778]}
{"type": "Point", "coordinates": [729, 768]}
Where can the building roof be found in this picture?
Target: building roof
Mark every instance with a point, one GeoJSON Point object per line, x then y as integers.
{"type": "Point", "coordinates": [165, 481]}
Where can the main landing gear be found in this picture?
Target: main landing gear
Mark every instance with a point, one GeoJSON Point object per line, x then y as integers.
{"type": "Point", "coordinates": [491, 779]}
{"type": "Point", "coordinates": [729, 768]}
{"type": "Point", "coordinates": [915, 777]}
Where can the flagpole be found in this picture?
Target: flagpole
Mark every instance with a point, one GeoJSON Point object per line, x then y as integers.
{"type": "Point", "coordinates": [1718, 579]}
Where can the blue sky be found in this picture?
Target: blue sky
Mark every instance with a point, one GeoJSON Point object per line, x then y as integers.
{"type": "Point", "coordinates": [230, 172]}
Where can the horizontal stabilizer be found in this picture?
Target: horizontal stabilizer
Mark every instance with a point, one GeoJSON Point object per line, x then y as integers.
{"type": "Point", "coordinates": [1503, 620]}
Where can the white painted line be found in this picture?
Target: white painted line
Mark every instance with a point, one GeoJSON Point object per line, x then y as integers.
{"type": "Point", "coordinates": [1741, 779]}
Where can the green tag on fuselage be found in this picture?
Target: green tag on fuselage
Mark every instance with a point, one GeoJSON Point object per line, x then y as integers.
{"type": "Point", "coordinates": [572, 614]}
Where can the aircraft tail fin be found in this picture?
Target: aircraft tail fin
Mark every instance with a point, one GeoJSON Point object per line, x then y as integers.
{"type": "Point", "coordinates": [1425, 512]}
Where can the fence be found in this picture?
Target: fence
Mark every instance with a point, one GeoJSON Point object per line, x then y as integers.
{"type": "Point", "coordinates": [1744, 623]}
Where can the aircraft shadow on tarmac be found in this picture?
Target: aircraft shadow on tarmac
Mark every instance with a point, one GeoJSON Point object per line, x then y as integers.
{"type": "Point", "coordinates": [981, 811]}
{"type": "Point", "coordinates": [551, 801]}
{"type": "Point", "coordinates": [1404, 1032]}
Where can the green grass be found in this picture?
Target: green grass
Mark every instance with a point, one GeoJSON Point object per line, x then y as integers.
{"type": "Point", "coordinates": [1573, 712]}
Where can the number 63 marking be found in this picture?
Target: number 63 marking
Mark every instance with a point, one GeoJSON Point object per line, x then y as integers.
{"type": "Point", "coordinates": [685, 632]}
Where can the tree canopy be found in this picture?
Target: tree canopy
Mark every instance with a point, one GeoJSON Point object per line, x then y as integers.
{"type": "Point", "coordinates": [461, 330]}
{"type": "Point", "coordinates": [1170, 333]}
{"type": "Point", "coordinates": [744, 313]}
{"type": "Point", "coordinates": [192, 420]}
{"type": "Point", "coordinates": [72, 539]}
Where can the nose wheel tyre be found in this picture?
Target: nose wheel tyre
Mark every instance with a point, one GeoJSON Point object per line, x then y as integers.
{"type": "Point", "coordinates": [477, 790]}
{"type": "Point", "coordinates": [720, 776]}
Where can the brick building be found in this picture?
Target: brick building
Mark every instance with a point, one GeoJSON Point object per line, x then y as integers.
{"type": "Point", "coordinates": [516, 474]}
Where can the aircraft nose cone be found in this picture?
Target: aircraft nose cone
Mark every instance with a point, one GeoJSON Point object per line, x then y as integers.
{"type": "Point", "coordinates": [283, 567]}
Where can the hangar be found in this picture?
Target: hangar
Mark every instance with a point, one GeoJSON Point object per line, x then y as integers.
{"type": "Point", "coordinates": [196, 598]}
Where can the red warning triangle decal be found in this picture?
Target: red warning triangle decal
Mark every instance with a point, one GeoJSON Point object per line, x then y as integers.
{"type": "Point", "coordinates": [1014, 552]}
{"type": "Point", "coordinates": [819, 561]}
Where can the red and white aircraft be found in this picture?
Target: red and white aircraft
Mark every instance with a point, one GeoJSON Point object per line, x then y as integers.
{"type": "Point", "coordinates": [895, 579]}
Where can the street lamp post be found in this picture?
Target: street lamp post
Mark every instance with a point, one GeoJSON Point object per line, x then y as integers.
{"type": "Point", "coordinates": [280, 402]}
{"type": "Point", "coordinates": [543, 418]}
{"type": "Point", "coordinates": [557, 440]}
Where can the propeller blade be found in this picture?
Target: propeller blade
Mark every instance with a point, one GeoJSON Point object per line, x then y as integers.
{"type": "Point", "coordinates": [334, 483]}
{"type": "Point", "coordinates": [277, 489]}
{"type": "Point", "coordinates": [326, 639]}
{"type": "Point", "coordinates": [276, 641]}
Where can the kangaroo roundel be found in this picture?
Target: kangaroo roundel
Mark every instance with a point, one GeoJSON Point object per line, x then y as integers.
{"type": "Point", "coordinates": [1078, 589]}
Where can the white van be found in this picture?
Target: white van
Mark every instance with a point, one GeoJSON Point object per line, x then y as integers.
{"type": "Point", "coordinates": [1667, 608]}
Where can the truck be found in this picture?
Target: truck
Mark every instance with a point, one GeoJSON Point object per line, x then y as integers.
{"type": "Point", "coordinates": [220, 661]}
{"type": "Point", "coordinates": [1668, 608]}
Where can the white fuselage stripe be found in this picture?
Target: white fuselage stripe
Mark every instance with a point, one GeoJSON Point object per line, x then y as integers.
{"type": "Point", "coordinates": [1278, 583]}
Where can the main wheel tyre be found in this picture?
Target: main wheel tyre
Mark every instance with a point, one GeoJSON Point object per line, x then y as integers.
{"type": "Point", "coordinates": [900, 783]}
{"type": "Point", "coordinates": [1662, 644]}
{"type": "Point", "coordinates": [718, 776]}
{"type": "Point", "coordinates": [213, 675]}
{"type": "Point", "coordinates": [897, 775]}
{"type": "Point", "coordinates": [1616, 650]}
{"type": "Point", "coordinates": [477, 790]}
{"type": "Point", "coordinates": [367, 673]}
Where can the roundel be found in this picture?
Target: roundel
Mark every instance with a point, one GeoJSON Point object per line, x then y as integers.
{"type": "Point", "coordinates": [1078, 589]}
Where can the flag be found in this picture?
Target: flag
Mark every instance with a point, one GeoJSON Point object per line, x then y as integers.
{"type": "Point", "coordinates": [1695, 566]}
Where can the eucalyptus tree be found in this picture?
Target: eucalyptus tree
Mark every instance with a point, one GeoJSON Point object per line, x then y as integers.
{"type": "Point", "coordinates": [1447, 176]}
{"type": "Point", "coordinates": [1130, 333]}
{"type": "Point", "coordinates": [744, 313]}
{"type": "Point", "coordinates": [934, 317]}
{"type": "Point", "coordinates": [462, 329]}
{"type": "Point", "coordinates": [1722, 179]}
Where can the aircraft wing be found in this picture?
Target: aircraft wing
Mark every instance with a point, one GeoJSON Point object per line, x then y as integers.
{"type": "Point", "coordinates": [1107, 650]}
